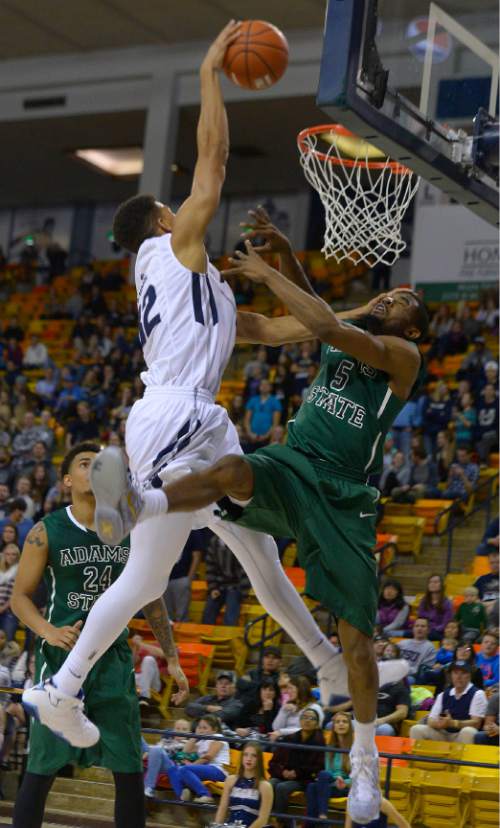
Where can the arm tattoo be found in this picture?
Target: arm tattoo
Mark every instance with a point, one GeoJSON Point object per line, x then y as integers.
{"type": "Point", "coordinates": [157, 616]}
{"type": "Point", "coordinates": [37, 536]}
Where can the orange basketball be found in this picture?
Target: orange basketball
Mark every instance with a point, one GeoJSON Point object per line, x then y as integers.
{"type": "Point", "coordinates": [258, 57]}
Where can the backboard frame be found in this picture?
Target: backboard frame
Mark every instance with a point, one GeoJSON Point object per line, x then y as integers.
{"type": "Point", "coordinates": [354, 90]}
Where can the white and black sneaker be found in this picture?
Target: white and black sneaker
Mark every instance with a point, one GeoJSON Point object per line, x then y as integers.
{"type": "Point", "coordinates": [62, 714]}
{"type": "Point", "coordinates": [117, 501]}
{"type": "Point", "coordinates": [363, 802]}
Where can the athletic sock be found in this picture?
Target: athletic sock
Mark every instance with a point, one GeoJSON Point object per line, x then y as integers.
{"type": "Point", "coordinates": [155, 502]}
{"type": "Point", "coordinates": [364, 736]}
{"type": "Point", "coordinates": [320, 650]}
{"type": "Point", "coordinates": [70, 677]}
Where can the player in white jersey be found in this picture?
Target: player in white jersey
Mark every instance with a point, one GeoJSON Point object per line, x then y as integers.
{"type": "Point", "coordinates": [187, 326]}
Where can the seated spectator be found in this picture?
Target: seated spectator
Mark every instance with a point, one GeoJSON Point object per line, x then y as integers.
{"type": "Point", "coordinates": [453, 342]}
{"type": "Point", "coordinates": [380, 643]}
{"type": "Point", "coordinates": [211, 765]}
{"type": "Point", "coordinates": [45, 388]}
{"type": "Point", "coordinates": [394, 479]}
{"type": "Point", "coordinates": [26, 438]}
{"type": "Point", "coordinates": [402, 427]}
{"type": "Point", "coordinates": [247, 798]}
{"type": "Point", "coordinates": [465, 419]}
{"type": "Point", "coordinates": [23, 489]}
{"type": "Point", "coordinates": [418, 651]}
{"type": "Point", "coordinates": [167, 752]}
{"type": "Point", "coordinates": [453, 630]}
{"type": "Point", "coordinates": [435, 607]}
{"type": "Point", "coordinates": [300, 697]}
{"type": "Point", "coordinates": [490, 731]}
{"type": "Point", "coordinates": [259, 360]}
{"type": "Point", "coordinates": [393, 704]}
{"type": "Point", "coordinates": [462, 477]}
{"type": "Point", "coordinates": [222, 703]}
{"type": "Point", "coordinates": [227, 584]}
{"type": "Point", "coordinates": [489, 377]}
{"type": "Point", "coordinates": [9, 652]}
{"type": "Point", "coordinates": [422, 478]}
{"type": "Point", "coordinates": [486, 431]}
{"type": "Point", "coordinates": [9, 562]}
{"type": "Point", "coordinates": [237, 410]}
{"type": "Point", "coordinates": [393, 611]}
{"type": "Point", "coordinates": [488, 312]}
{"type": "Point", "coordinates": [458, 712]}
{"type": "Point", "coordinates": [300, 368]}
{"type": "Point", "coordinates": [178, 592]}
{"type": "Point", "coordinates": [445, 452]}
{"type": "Point", "coordinates": [83, 427]}
{"type": "Point", "coordinates": [40, 456]}
{"type": "Point", "coordinates": [490, 540]}
{"type": "Point", "coordinates": [487, 659]}
{"type": "Point", "coordinates": [40, 484]}
{"type": "Point", "coordinates": [472, 614]}
{"type": "Point", "coordinates": [6, 470]}
{"type": "Point", "coordinates": [15, 511]}
{"type": "Point", "coordinates": [291, 769]}
{"type": "Point", "coordinates": [36, 354]}
{"type": "Point", "coordinates": [69, 395]}
{"type": "Point", "coordinates": [4, 498]}
{"type": "Point", "coordinates": [8, 534]}
{"type": "Point", "coordinates": [474, 362]}
{"type": "Point", "coordinates": [436, 415]}
{"type": "Point", "coordinates": [463, 652]}
{"type": "Point", "coordinates": [259, 711]}
{"type": "Point", "coordinates": [263, 411]}
{"type": "Point", "coordinates": [147, 672]}
{"type": "Point", "coordinates": [441, 322]}
{"type": "Point", "coordinates": [248, 684]}
{"type": "Point", "coordinates": [334, 780]}
{"type": "Point", "coordinates": [445, 656]}
{"type": "Point", "coordinates": [488, 584]}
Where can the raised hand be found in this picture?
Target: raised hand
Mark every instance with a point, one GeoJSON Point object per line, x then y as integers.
{"type": "Point", "coordinates": [248, 264]}
{"type": "Point", "coordinates": [214, 58]}
{"type": "Point", "coordinates": [260, 225]}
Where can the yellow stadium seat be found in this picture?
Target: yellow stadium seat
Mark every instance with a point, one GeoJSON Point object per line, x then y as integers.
{"type": "Point", "coordinates": [480, 566]}
{"type": "Point", "coordinates": [480, 753]}
{"type": "Point", "coordinates": [251, 611]}
{"type": "Point", "coordinates": [455, 582]}
{"type": "Point", "coordinates": [437, 750]}
{"type": "Point", "coordinates": [410, 531]}
{"type": "Point", "coordinates": [429, 510]}
{"type": "Point", "coordinates": [442, 801]}
{"type": "Point", "coordinates": [403, 791]}
{"type": "Point", "coordinates": [230, 651]}
{"type": "Point", "coordinates": [483, 803]}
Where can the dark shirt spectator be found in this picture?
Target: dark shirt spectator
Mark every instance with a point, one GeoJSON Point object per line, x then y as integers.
{"type": "Point", "coordinates": [259, 710]}
{"type": "Point", "coordinates": [16, 512]}
{"type": "Point", "coordinates": [490, 540]}
{"type": "Point", "coordinates": [490, 731]}
{"type": "Point", "coordinates": [13, 330]}
{"type": "Point", "coordinates": [290, 768]}
{"type": "Point", "coordinates": [486, 432]}
{"type": "Point", "coordinates": [488, 584]}
{"type": "Point", "coordinates": [436, 415]}
{"type": "Point", "coordinates": [248, 684]}
{"type": "Point", "coordinates": [393, 704]}
{"type": "Point", "coordinates": [178, 593]}
{"type": "Point", "coordinates": [222, 703]}
{"type": "Point", "coordinates": [227, 584]}
{"type": "Point", "coordinates": [84, 427]}
{"type": "Point", "coordinates": [462, 477]}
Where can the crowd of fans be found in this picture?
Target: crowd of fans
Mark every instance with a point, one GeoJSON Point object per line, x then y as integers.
{"type": "Point", "coordinates": [436, 449]}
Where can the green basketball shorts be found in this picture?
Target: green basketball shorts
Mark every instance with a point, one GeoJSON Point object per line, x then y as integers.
{"type": "Point", "coordinates": [331, 517]}
{"type": "Point", "coordinates": [111, 702]}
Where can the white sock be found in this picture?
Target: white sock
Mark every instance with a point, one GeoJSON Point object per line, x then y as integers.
{"type": "Point", "coordinates": [70, 677]}
{"type": "Point", "coordinates": [155, 502]}
{"type": "Point", "coordinates": [320, 650]}
{"type": "Point", "coordinates": [364, 736]}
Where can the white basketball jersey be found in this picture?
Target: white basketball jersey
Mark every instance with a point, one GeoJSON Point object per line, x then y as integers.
{"type": "Point", "coordinates": [187, 320]}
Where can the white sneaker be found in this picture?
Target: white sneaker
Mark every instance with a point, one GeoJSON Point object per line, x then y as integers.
{"type": "Point", "coordinates": [149, 792]}
{"type": "Point", "coordinates": [203, 800]}
{"type": "Point", "coordinates": [186, 795]}
{"type": "Point", "coordinates": [332, 676]}
{"type": "Point", "coordinates": [118, 502]}
{"type": "Point", "coordinates": [62, 714]}
{"type": "Point", "coordinates": [363, 802]}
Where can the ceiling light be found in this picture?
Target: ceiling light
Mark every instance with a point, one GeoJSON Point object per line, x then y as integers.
{"type": "Point", "coordinates": [117, 161]}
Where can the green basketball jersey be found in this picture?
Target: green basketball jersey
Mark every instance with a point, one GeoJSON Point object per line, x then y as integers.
{"type": "Point", "coordinates": [345, 416]}
{"type": "Point", "coordinates": [79, 568]}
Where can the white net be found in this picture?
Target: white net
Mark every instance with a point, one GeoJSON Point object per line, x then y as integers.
{"type": "Point", "coordinates": [364, 201]}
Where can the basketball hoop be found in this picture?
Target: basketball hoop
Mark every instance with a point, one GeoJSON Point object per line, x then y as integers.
{"type": "Point", "coordinates": [364, 193]}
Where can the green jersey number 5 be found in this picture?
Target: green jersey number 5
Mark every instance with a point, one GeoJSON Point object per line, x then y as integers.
{"type": "Point", "coordinates": [342, 375]}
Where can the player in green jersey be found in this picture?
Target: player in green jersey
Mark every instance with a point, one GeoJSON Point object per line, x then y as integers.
{"type": "Point", "coordinates": [315, 487]}
{"type": "Point", "coordinates": [77, 567]}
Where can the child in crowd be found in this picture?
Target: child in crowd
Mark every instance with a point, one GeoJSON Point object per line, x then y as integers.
{"type": "Point", "coordinates": [472, 614]}
{"type": "Point", "coordinates": [211, 764]}
{"type": "Point", "coordinates": [246, 796]}
{"type": "Point", "coordinates": [168, 752]}
{"type": "Point", "coordinates": [445, 654]}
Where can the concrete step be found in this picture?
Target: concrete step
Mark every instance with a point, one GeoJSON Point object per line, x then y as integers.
{"type": "Point", "coordinates": [97, 806]}
{"type": "Point", "coordinates": [84, 787]}
{"type": "Point", "coordinates": [94, 773]}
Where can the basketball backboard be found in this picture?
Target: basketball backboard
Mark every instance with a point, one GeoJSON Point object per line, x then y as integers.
{"type": "Point", "coordinates": [420, 81]}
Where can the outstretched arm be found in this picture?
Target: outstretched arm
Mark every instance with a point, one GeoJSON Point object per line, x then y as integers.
{"type": "Point", "coordinates": [212, 137]}
{"type": "Point", "coordinates": [157, 616]}
{"type": "Point", "coordinates": [394, 355]}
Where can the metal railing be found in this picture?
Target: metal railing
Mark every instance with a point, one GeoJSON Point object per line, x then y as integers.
{"type": "Point", "coordinates": [266, 637]}
{"type": "Point", "coordinates": [295, 819]}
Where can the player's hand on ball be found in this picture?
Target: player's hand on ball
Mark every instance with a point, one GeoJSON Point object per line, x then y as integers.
{"type": "Point", "coordinates": [175, 670]}
{"type": "Point", "coordinates": [64, 637]}
{"type": "Point", "coordinates": [261, 226]}
{"type": "Point", "coordinates": [249, 264]}
{"type": "Point", "coordinates": [215, 55]}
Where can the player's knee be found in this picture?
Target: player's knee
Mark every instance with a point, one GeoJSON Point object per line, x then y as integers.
{"type": "Point", "coordinates": [234, 476]}
{"type": "Point", "coordinates": [358, 653]}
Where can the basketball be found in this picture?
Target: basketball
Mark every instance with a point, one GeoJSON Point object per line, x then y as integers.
{"type": "Point", "coordinates": [259, 56]}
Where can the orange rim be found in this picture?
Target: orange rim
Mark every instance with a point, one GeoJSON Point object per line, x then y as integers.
{"type": "Point", "coordinates": [338, 129]}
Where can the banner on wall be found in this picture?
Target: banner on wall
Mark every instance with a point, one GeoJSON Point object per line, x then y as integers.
{"type": "Point", "coordinates": [454, 253]}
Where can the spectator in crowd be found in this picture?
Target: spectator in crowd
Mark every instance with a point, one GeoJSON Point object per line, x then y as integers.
{"type": "Point", "coordinates": [6, 471]}
{"type": "Point", "coordinates": [490, 377]}
{"type": "Point", "coordinates": [436, 415]}
{"type": "Point", "coordinates": [263, 411]}
{"type": "Point", "coordinates": [394, 479]}
{"type": "Point", "coordinates": [16, 509]}
{"type": "Point", "coordinates": [227, 584]}
{"type": "Point", "coordinates": [393, 704]}
{"type": "Point", "coordinates": [441, 322]}
{"type": "Point", "coordinates": [178, 592]}
{"type": "Point", "coordinates": [488, 584]}
{"type": "Point", "coordinates": [445, 656]}
{"type": "Point", "coordinates": [259, 360]}
{"type": "Point", "coordinates": [9, 651]}
{"type": "Point", "coordinates": [247, 797]}
{"type": "Point", "coordinates": [9, 562]}
{"type": "Point", "coordinates": [380, 643]}
{"type": "Point", "coordinates": [453, 342]}
{"type": "Point", "coordinates": [458, 712]}
{"type": "Point", "coordinates": [84, 426]}
{"type": "Point", "coordinates": [4, 498]}
{"type": "Point", "coordinates": [70, 394]}
{"type": "Point", "coordinates": [237, 410]}
{"type": "Point", "coordinates": [39, 456]}
{"type": "Point", "coordinates": [418, 651]}
{"type": "Point", "coordinates": [487, 659]}
{"type": "Point", "coordinates": [36, 355]}
{"type": "Point", "coordinates": [462, 477]}
{"type": "Point", "coordinates": [393, 611]}
{"type": "Point", "coordinates": [473, 364]}
{"type": "Point", "coordinates": [259, 711]}
{"type": "Point", "coordinates": [147, 672]}
{"type": "Point", "coordinates": [334, 780]}
{"type": "Point", "coordinates": [299, 697]}
{"type": "Point", "coordinates": [487, 314]}
{"type": "Point", "coordinates": [408, 419]}
{"type": "Point", "coordinates": [472, 614]}
{"type": "Point", "coordinates": [223, 703]}
{"type": "Point", "coordinates": [490, 731]}
{"type": "Point", "coordinates": [211, 765]}
{"type": "Point", "coordinates": [490, 540]}
{"type": "Point", "coordinates": [301, 368]}
{"type": "Point", "coordinates": [14, 330]}
{"type": "Point", "coordinates": [486, 432]}
{"type": "Point", "coordinates": [289, 768]}
{"type": "Point", "coordinates": [26, 438]}
{"type": "Point", "coordinates": [8, 534]}
{"type": "Point", "coordinates": [249, 684]}
{"type": "Point", "coordinates": [445, 453]}
{"type": "Point", "coordinates": [23, 489]}
{"type": "Point", "coordinates": [471, 326]}
{"type": "Point", "coordinates": [465, 418]}
{"type": "Point", "coordinates": [435, 607]}
{"type": "Point", "coordinates": [422, 478]}
{"type": "Point", "coordinates": [167, 752]}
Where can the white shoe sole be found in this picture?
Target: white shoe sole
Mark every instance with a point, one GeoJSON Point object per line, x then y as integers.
{"type": "Point", "coordinates": [35, 703]}
{"type": "Point", "coordinates": [108, 479]}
